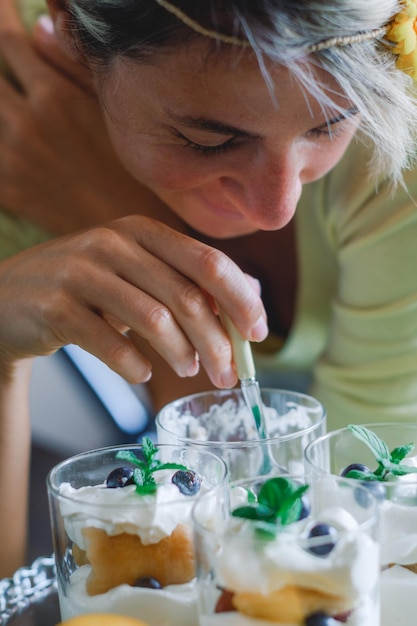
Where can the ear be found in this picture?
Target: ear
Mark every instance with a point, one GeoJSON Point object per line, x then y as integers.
{"type": "Point", "coordinates": [62, 30]}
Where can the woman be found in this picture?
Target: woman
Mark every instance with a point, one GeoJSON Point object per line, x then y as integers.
{"type": "Point", "coordinates": [235, 115]}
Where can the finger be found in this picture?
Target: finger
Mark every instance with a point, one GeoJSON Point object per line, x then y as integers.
{"type": "Point", "coordinates": [193, 313]}
{"type": "Point", "coordinates": [145, 315]}
{"type": "Point", "coordinates": [213, 271]}
{"type": "Point", "coordinates": [171, 312]}
{"type": "Point", "coordinates": [92, 333]}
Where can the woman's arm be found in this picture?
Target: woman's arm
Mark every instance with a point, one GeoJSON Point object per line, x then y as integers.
{"type": "Point", "coordinates": [134, 273]}
{"type": "Point", "coordinates": [14, 462]}
{"type": "Point", "coordinates": [88, 289]}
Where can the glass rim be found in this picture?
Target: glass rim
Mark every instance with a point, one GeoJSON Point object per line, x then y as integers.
{"type": "Point", "coordinates": [246, 443]}
{"type": "Point", "coordinates": [207, 532]}
{"type": "Point", "coordinates": [53, 486]}
{"type": "Point", "coordinates": [333, 434]}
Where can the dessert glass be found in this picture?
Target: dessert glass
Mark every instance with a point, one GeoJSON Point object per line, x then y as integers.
{"type": "Point", "coordinates": [338, 449]}
{"type": "Point", "coordinates": [220, 421]}
{"type": "Point", "coordinates": [319, 565]}
{"type": "Point", "coordinates": [120, 551]}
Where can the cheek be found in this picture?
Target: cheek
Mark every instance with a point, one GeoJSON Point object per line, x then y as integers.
{"type": "Point", "coordinates": [324, 158]}
{"type": "Point", "coordinates": [156, 167]}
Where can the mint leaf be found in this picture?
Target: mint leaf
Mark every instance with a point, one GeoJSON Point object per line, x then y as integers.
{"type": "Point", "coordinates": [358, 475]}
{"type": "Point", "coordinates": [165, 466]}
{"type": "Point", "coordinates": [149, 449]}
{"type": "Point", "coordinates": [126, 455]}
{"type": "Point", "coordinates": [142, 474]}
{"type": "Point", "coordinates": [258, 512]}
{"type": "Point", "coordinates": [378, 447]}
{"type": "Point", "coordinates": [389, 463]}
{"type": "Point", "coordinates": [284, 496]}
{"type": "Point", "coordinates": [278, 504]}
{"type": "Point", "coordinates": [402, 470]}
{"type": "Point", "coordinates": [146, 489]}
{"type": "Point", "coordinates": [398, 454]}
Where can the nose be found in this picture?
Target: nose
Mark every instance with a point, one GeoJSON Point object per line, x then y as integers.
{"type": "Point", "coordinates": [267, 190]}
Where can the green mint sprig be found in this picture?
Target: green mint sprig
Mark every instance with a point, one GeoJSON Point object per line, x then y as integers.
{"type": "Point", "coordinates": [389, 462]}
{"type": "Point", "coordinates": [144, 470]}
{"type": "Point", "coordinates": [278, 504]}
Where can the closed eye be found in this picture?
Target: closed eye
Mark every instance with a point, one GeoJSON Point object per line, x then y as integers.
{"type": "Point", "coordinates": [334, 127]}
{"type": "Point", "coordinates": [221, 148]}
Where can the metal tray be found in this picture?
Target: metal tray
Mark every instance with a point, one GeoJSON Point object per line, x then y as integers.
{"type": "Point", "coordinates": [30, 597]}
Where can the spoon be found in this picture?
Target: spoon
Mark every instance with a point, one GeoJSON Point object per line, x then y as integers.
{"type": "Point", "coordinates": [245, 369]}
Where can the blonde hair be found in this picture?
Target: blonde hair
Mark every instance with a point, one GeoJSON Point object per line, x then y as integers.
{"type": "Point", "coordinates": [343, 37]}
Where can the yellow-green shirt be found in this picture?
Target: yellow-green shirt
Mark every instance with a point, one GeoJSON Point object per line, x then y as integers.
{"type": "Point", "coordinates": [356, 315]}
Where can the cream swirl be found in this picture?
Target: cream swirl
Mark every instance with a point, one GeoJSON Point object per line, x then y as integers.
{"type": "Point", "coordinates": [152, 516]}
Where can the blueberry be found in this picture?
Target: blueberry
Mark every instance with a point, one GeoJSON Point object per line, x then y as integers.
{"type": "Point", "coordinates": [322, 530]}
{"type": "Point", "coordinates": [148, 583]}
{"type": "Point", "coordinates": [373, 486]}
{"type": "Point", "coordinates": [355, 466]}
{"type": "Point", "coordinates": [305, 507]}
{"type": "Point", "coordinates": [187, 481]}
{"type": "Point", "coordinates": [120, 477]}
{"type": "Point", "coordinates": [320, 619]}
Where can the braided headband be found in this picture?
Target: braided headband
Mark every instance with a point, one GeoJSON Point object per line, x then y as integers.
{"type": "Point", "coordinates": [400, 31]}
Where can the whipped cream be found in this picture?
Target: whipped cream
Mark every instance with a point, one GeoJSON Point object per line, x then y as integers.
{"type": "Point", "coordinates": [122, 510]}
{"type": "Point", "coordinates": [398, 528]}
{"type": "Point", "coordinates": [156, 607]}
{"type": "Point", "coordinates": [230, 431]}
{"type": "Point", "coordinates": [243, 564]}
{"type": "Point", "coordinates": [232, 421]}
{"type": "Point", "coordinates": [152, 517]}
{"type": "Point", "coordinates": [343, 572]}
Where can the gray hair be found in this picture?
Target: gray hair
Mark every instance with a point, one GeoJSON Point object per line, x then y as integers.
{"type": "Point", "coordinates": [281, 31]}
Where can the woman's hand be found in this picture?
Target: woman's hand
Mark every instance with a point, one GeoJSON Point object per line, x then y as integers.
{"type": "Point", "coordinates": [57, 165]}
{"type": "Point", "coordinates": [135, 273]}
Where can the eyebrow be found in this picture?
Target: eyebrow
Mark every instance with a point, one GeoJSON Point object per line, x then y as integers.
{"type": "Point", "coordinates": [214, 126]}
{"type": "Point", "coordinates": [210, 125]}
{"type": "Point", "coordinates": [351, 112]}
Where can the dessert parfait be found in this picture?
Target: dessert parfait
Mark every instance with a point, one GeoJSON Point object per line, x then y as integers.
{"type": "Point", "coordinates": [121, 523]}
{"type": "Point", "coordinates": [278, 551]}
{"type": "Point", "coordinates": [220, 420]}
{"type": "Point", "coordinates": [380, 457]}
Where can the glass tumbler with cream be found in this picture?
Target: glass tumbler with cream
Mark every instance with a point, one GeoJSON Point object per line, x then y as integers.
{"type": "Point", "coordinates": [383, 458]}
{"type": "Point", "coordinates": [281, 550]}
{"type": "Point", "coordinates": [220, 421]}
{"type": "Point", "coordinates": [122, 532]}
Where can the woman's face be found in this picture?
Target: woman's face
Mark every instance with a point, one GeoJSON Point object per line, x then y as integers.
{"type": "Point", "coordinates": [205, 135]}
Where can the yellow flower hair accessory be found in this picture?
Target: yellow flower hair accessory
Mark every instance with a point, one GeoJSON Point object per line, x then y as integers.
{"type": "Point", "coordinates": [402, 31]}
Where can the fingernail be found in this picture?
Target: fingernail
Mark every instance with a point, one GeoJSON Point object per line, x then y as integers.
{"type": "Point", "coordinates": [194, 368]}
{"type": "Point", "coordinates": [228, 377]}
{"type": "Point", "coordinates": [190, 370]}
{"type": "Point", "coordinates": [259, 331]}
{"type": "Point", "coordinates": [46, 23]}
{"type": "Point", "coordinates": [147, 377]}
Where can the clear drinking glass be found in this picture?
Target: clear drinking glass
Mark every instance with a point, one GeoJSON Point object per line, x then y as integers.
{"type": "Point", "coordinates": [220, 421]}
{"type": "Point", "coordinates": [289, 558]}
{"type": "Point", "coordinates": [122, 532]}
{"type": "Point", "coordinates": [339, 449]}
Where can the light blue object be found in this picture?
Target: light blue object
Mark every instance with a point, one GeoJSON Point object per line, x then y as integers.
{"type": "Point", "coordinates": [128, 411]}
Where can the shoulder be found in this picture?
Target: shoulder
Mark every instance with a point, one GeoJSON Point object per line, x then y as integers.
{"type": "Point", "coordinates": [351, 201]}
